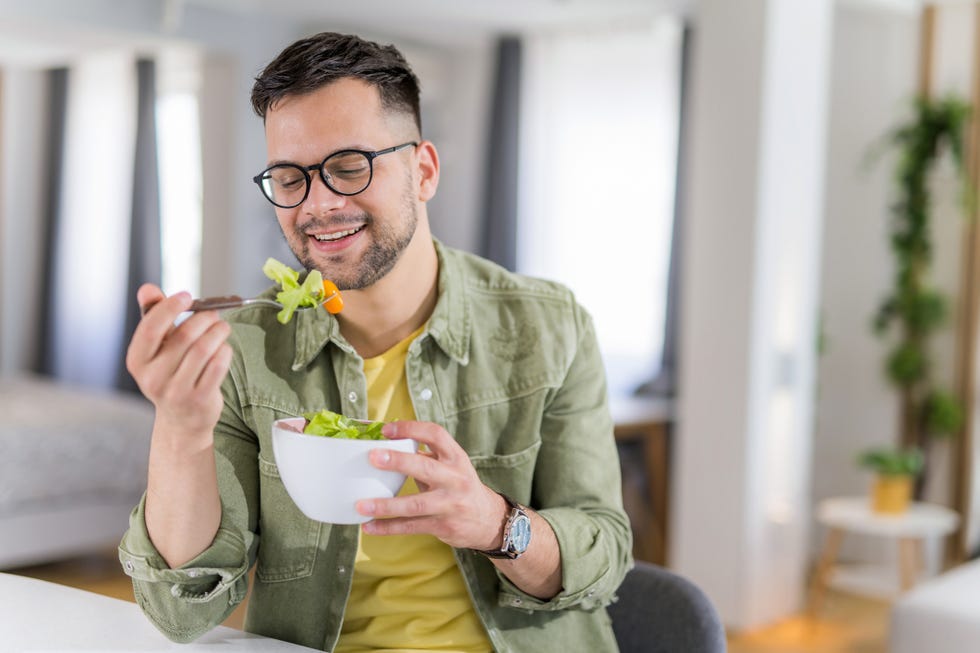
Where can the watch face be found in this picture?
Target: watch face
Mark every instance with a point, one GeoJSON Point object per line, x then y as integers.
{"type": "Point", "coordinates": [520, 534]}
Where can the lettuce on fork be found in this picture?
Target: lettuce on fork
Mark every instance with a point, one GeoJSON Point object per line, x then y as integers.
{"type": "Point", "coordinates": [335, 425]}
{"type": "Point", "coordinates": [293, 294]}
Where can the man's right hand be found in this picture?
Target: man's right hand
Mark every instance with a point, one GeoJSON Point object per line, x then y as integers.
{"type": "Point", "coordinates": [179, 368]}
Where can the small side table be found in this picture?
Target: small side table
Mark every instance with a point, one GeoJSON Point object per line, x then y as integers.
{"type": "Point", "coordinates": [853, 514]}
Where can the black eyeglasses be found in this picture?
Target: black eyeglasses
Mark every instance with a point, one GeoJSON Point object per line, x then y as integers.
{"type": "Point", "coordinates": [348, 172]}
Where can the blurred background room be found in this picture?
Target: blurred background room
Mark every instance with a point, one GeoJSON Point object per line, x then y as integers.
{"type": "Point", "coordinates": [730, 188]}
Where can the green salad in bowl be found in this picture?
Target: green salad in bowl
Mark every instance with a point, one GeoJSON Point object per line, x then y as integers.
{"type": "Point", "coordinates": [335, 425]}
{"type": "Point", "coordinates": [322, 460]}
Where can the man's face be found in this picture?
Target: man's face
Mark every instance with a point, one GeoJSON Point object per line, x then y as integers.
{"type": "Point", "coordinates": [353, 240]}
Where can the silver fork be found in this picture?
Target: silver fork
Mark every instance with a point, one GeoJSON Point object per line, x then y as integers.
{"type": "Point", "coordinates": [234, 301]}
{"type": "Point", "coordinates": [333, 303]}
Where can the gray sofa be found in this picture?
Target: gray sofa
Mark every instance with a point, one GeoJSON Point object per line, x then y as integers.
{"type": "Point", "coordinates": [72, 466]}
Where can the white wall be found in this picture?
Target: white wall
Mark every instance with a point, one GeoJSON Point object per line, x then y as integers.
{"type": "Point", "coordinates": [456, 89]}
{"type": "Point", "coordinates": [741, 510]}
{"type": "Point", "coordinates": [874, 66]}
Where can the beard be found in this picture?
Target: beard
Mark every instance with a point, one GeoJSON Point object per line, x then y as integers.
{"type": "Point", "coordinates": [387, 240]}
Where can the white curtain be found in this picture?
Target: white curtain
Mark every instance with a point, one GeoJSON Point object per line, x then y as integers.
{"type": "Point", "coordinates": [598, 169]}
{"type": "Point", "coordinates": [92, 242]}
{"type": "Point", "coordinates": [179, 144]}
{"type": "Point", "coordinates": [23, 152]}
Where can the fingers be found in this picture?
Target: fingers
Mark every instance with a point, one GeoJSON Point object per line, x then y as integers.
{"type": "Point", "coordinates": [201, 341]}
{"type": "Point", "coordinates": [162, 353]}
{"type": "Point", "coordinates": [443, 465]}
{"type": "Point", "coordinates": [424, 467]}
{"type": "Point", "coordinates": [401, 526]}
{"type": "Point", "coordinates": [147, 296]}
{"type": "Point", "coordinates": [462, 517]}
{"type": "Point", "coordinates": [216, 368]}
{"type": "Point", "coordinates": [451, 503]}
{"type": "Point", "coordinates": [172, 363]}
{"type": "Point", "coordinates": [412, 514]}
{"type": "Point", "coordinates": [440, 461]}
{"type": "Point", "coordinates": [436, 438]}
{"type": "Point", "coordinates": [160, 313]}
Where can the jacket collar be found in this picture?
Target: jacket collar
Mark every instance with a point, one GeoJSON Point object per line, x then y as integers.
{"type": "Point", "coordinates": [449, 325]}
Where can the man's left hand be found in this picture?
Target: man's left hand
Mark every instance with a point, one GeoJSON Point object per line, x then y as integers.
{"type": "Point", "coordinates": [453, 504]}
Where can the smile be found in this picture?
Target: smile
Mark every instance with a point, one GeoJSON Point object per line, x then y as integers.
{"type": "Point", "coordinates": [337, 235]}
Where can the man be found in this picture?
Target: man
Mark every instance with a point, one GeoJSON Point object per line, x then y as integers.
{"type": "Point", "coordinates": [498, 375]}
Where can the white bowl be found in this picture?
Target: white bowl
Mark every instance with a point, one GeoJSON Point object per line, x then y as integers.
{"type": "Point", "coordinates": [326, 476]}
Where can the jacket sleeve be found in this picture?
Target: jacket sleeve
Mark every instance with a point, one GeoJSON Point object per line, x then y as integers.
{"type": "Point", "coordinates": [186, 602]}
{"type": "Point", "coordinates": [577, 485]}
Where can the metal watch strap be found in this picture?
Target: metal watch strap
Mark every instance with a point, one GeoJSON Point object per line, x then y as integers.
{"type": "Point", "coordinates": [505, 550]}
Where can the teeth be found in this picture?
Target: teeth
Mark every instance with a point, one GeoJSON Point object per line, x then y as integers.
{"type": "Point", "coordinates": [337, 235]}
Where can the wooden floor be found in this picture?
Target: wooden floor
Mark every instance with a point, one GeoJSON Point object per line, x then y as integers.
{"type": "Point", "coordinates": [846, 624]}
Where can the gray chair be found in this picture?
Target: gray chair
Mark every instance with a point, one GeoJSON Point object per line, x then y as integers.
{"type": "Point", "coordinates": [661, 612]}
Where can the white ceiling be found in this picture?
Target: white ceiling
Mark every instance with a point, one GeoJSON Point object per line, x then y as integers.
{"type": "Point", "coordinates": [49, 32]}
{"type": "Point", "coordinates": [36, 32]}
{"type": "Point", "coordinates": [454, 19]}
{"type": "Point", "coordinates": [26, 40]}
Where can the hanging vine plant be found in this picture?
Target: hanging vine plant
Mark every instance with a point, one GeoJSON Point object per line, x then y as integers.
{"type": "Point", "coordinates": [914, 309]}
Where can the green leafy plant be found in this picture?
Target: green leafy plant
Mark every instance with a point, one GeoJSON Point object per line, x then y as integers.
{"type": "Point", "coordinates": [914, 308]}
{"type": "Point", "coordinates": [888, 461]}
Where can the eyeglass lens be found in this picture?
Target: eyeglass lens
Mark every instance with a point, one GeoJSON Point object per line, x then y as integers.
{"type": "Point", "coordinates": [347, 173]}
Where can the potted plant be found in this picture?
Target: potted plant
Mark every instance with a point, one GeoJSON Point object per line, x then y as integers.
{"type": "Point", "coordinates": [914, 309]}
{"type": "Point", "coordinates": [895, 472]}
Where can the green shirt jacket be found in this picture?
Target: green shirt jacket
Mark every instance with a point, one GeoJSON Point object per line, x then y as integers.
{"type": "Point", "coordinates": [507, 364]}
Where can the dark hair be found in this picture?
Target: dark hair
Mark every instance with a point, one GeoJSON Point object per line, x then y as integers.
{"type": "Point", "coordinates": [318, 60]}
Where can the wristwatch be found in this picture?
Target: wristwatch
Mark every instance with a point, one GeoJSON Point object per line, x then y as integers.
{"type": "Point", "coordinates": [517, 532]}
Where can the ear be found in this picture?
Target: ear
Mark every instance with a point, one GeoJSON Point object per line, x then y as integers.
{"type": "Point", "coordinates": [428, 170]}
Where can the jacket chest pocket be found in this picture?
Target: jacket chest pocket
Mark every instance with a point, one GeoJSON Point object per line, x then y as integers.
{"type": "Point", "coordinates": [287, 538]}
{"type": "Point", "coordinates": [510, 473]}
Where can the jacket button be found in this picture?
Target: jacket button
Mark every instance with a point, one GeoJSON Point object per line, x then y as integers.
{"type": "Point", "coordinates": [341, 569]}
{"type": "Point", "coordinates": [130, 567]}
{"type": "Point", "coordinates": [352, 397]}
{"type": "Point", "coordinates": [425, 395]}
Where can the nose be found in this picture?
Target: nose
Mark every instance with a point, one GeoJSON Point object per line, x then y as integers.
{"type": "Point", "coordinates": [321, 198]}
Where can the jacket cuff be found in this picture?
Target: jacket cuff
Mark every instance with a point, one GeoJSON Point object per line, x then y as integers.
{"type": "Point", "coordinates": [592, 564]}
{"type": "Point", "coordinates": [215, 571]}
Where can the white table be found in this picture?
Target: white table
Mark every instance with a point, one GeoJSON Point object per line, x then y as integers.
{"type": "Point", "coordinates": [854, 515]}
{"type": "Point", "coordinates": [36, 615]}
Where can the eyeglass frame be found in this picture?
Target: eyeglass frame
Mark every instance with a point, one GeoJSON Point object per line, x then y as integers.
{"type": "Point", "coordinates": [306, 170]}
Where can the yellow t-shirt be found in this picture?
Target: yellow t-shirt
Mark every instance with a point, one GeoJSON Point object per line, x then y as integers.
{"type": "Point", "coordinates": [407, 593]}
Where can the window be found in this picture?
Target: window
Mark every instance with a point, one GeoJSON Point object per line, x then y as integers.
{"type": "Point", "coordinates": [179, 159]}
{"type": "Point", "coordinates": [597, 176]}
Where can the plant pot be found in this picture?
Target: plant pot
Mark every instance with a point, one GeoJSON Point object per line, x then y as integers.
{"type": "Point", "coordinates": [891, 493]}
